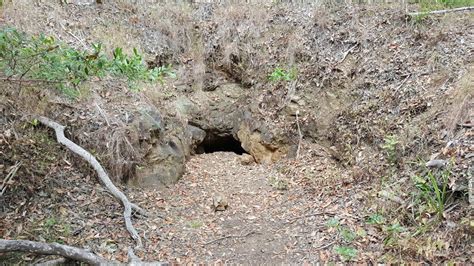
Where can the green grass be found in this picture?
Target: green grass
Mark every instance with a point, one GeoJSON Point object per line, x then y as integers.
{"type": "Point", "coordinates": [393, 233]}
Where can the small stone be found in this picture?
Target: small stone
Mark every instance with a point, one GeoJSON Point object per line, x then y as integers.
{"type": "Point", "coordinates": [436, 163]}
{"type": "Point", "coordinates": [219, 202]}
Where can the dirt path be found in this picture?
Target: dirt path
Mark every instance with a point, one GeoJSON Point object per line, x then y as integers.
{"type": "Point", "coordinates": [261, 224]}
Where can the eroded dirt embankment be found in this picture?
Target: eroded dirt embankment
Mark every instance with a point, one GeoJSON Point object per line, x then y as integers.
{"type": "Point", "coordinates": [363, 74]}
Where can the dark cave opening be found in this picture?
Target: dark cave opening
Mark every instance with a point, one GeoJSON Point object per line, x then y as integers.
{"type": "Point", "coordinates": [214, 143]}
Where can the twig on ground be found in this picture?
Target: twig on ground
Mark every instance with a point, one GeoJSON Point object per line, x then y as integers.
{"type": "Point", "coordinates": [390, 196]}
{"type": "Point", "coordinates": [444, 11]}
{"type": "Point", "coordinates": [324, 246]}
{"type": "Point", "coordinates": [229, 236]}
{"type": "Point", "coordinates": [9, 176]}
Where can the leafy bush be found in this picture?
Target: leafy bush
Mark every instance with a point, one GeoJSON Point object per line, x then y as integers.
{"type": "Point", "coordinates": [42, 58]}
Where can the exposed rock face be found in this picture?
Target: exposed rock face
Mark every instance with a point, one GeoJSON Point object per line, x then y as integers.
{"type": "Point", "coordinates": [202, 116]}
{"type": "Point", "coordinates": [166, 144]}
{"type": "Point", "coordinates": [195, 136]}
{"type": "Point", "coordinates": [225, 112]}
{"type": "Point", "coordinates": [261, 146]}
{"type": "Point", "coordinates": [165, 164]}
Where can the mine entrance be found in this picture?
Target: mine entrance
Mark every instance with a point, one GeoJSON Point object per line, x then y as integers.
{"type": "Point", "coordinates": [214, 143]}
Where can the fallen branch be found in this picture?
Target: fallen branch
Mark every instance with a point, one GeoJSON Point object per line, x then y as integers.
{"type": "Point", "coordinates": [104, 178]}
{"type": "Point", "coordinates": [444, 11]}
{"type": "Point", "coordinates": [65, 251]}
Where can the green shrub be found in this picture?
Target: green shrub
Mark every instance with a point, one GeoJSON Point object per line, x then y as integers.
{"type": "Point", "coordinates": [42, 58]}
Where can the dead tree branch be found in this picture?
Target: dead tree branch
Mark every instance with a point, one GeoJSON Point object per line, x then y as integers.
{"type": "Point", "coordinates": [65, 251]}
{"type": "Point", "coordinates": [104, 178]}
{"type": "Point", "coordinates": [444, 11]}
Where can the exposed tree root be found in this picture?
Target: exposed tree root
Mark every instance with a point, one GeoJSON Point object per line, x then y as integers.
{"type": "Point", "coordinates": [65, 251]}
{"type": "Point", "coordinates": [104, 178]}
